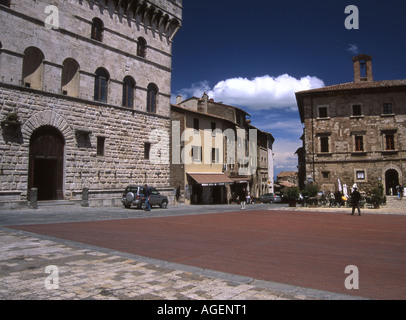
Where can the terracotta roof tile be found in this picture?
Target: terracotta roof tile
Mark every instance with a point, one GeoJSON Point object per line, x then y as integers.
{"type": "Point", "coordinates": [287, 174]}
{"type": "Point", "coordinates": [358, 85]}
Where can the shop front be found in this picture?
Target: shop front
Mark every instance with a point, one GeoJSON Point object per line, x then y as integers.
{"type": "Point", "coordinates": [208, 188]}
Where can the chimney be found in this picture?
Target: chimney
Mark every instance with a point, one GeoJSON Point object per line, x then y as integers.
{"type": "Point", "coordinates": [178, 99]}
{"type": "Point", "coordinates": [363, 68]}
{"type": "Point", "coordinates": [203, 104]}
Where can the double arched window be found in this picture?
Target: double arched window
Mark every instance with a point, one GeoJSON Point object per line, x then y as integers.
{"type": "Point", "coordinates": [101, 85]}
{"type": "Point", "coordinates": [33, 77]}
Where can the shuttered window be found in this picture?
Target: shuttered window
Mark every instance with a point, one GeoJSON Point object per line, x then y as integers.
{"type": "Point", "coordinates": [359, 143]}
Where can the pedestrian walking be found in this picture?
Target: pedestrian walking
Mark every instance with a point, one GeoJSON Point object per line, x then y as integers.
{"type": "Point", "coordinates": [356, 197]}
{"type": "Point", "coordinates": [147, 198]}
{"type": "Point", "coordinates": [243, 199]}
{"type": "Point", "coordinates": [332, 199]}
{"type": "Point", "coordinates": [338, 198]}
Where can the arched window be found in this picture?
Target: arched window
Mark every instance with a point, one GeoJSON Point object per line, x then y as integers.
{"type": "Point", "coordinates": [152, 98]}
{"type": "Point", "coordinates": [142, 47]}
{"type": "Point", "coordinates": [101, 85]}
{"type": "Point", "coordinates": [70, 78]}
{"type": "Point", "coordinates": [97, 29]}
{"type": "Point", "coordinates": [5, 3]}
{"type": "Point", "coordinates": [33, 68]}
{"type": "Point", "coordinates": [128, 92]}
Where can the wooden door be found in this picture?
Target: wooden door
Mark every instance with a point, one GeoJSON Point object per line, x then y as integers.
{"type": "Point", "coordinates": [46, 163]}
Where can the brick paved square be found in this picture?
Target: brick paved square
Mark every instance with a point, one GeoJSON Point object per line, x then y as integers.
{"type": "Point", "coordinates": [302, 249]}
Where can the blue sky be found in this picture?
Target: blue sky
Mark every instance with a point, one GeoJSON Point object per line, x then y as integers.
{"type": "Point", "coordinates": [256, 54]}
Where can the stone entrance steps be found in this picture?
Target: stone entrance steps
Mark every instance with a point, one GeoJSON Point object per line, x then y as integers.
{"type": "Point", "coordinates": [395, 202]}
{"type": "Point", "coordinates": [53, 203]}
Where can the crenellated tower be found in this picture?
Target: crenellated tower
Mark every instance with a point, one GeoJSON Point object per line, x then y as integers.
{"type": "Point", "coordinates": [87, 84]}
{"type": "Point", "coordinates": [162, 16]}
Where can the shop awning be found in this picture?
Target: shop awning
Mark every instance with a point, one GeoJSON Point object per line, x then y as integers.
{"type": "Point", "coordinates": [211, 179]}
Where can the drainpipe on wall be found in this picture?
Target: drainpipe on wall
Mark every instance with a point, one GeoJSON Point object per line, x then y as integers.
{"type": "Point", "coordinates": [312, 113]}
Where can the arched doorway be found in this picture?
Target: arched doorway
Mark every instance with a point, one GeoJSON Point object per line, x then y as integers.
{"type": "Point", "coordinates": [46, 163]}
{"type": "Point", "coordinates": [391, 181]}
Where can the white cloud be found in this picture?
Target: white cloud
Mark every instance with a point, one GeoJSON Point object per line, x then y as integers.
{"type": "Point", "coordinates": [284, 154]}
{"type": "Point", "coordinates": [280, 126]}
{"type": "Point", "coordinates": [264, 92]}
{"type": "Point", "coordinates": [259, 93]}
{"type": "Point", "coordinates": [353, 48]}
{"type": "Point", "coordinates": [196, 90]}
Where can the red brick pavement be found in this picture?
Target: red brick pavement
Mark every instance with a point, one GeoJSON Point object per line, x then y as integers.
{"type": "Point", "coordinates": [303, 249]}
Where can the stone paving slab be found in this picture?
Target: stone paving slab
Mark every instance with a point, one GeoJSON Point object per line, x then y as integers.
{"type": "Point", "coordinates": [88, 273]}
{"type": "Point", "coordinates": [307, 249]}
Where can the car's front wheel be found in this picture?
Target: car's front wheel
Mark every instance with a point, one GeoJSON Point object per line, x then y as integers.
{"type": "Point", "coordinates": [164, 204]}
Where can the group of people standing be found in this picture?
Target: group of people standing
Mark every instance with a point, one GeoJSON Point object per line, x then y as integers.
{"type": "Point", "coordinates": [336, 199]}
{"type": "Point", "coordinates": [339, 200]}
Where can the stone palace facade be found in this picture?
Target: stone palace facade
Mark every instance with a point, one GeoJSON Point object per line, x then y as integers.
{"type": "Point", "coordinates": [85, 96]}
{"type": "Point", "coordinates": [354, 132]}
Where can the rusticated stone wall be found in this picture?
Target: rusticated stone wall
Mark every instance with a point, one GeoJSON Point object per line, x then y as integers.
{"type": "Point", "coordinates": [125, 133]}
